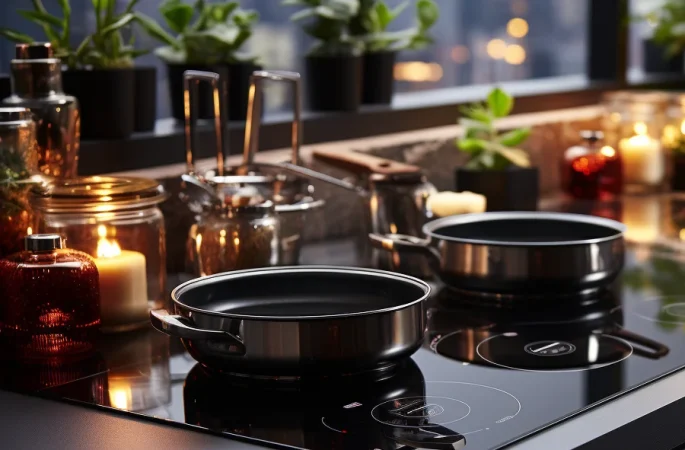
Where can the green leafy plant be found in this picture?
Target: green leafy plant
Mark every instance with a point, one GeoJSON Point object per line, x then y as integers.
{"type": "Point", "coordinates": [669, 26]}
{"type": "Point", "coordinates": [102, 49]}
{"type": "Point", "coordinates": [487, 147]}
{"type": "Point", "coordinates": [328, 22]}
{"type": "Point", "coordinates": [376, 16]}
{"type": "Point", "coordinates": [205, 33]}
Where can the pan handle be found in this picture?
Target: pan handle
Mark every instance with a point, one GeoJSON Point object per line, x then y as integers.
{"type": "Point", "coordinates": [404, 243]}
{"type": "Point", "coordinates": [647, 347]}
{"type": "Point", "coordinates": [181, 327]}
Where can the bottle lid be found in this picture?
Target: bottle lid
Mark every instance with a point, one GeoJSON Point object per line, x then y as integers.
{"type": "Point", "coordinates": [43, 242]}
{"type": "Point", "coordinates": [34, 50]}
{"type": "Point", "coordinates": [591, 135]}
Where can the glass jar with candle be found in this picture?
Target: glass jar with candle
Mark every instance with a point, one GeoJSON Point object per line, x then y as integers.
{"type": "Point", "coordinates": [118, 222]}
{"type": "Point", "coordinates": [673, 140]}
{"type": "Point", "coordinates": [633, 124]}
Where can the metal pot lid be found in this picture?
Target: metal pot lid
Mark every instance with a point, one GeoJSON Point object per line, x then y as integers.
{"type": "Point", "coordinates": [603, 229]}
{"type": "Point", "coordinates": [97, 194]}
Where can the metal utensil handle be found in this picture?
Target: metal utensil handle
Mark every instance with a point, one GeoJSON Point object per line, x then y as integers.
{"type": "Point", "coordinates": [253, 120]}
{"type": "Point", "coordinates": [181, 327]}
{"type": "Point", "coordinates": [403, 243]}
{"type": "Point", "coordinates": [191, 80]}
{"type": "Point", "coordinates": [313, 174]}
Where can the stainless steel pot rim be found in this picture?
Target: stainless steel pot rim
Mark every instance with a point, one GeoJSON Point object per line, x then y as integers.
{"type": "Point", "coordinates": [432, 228]}
{"type": "Point", "coordinates": [220, 277]}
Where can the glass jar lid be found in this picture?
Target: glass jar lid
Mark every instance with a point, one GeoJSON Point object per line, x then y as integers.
{"type": "Point", "coordinates": [97, 194]}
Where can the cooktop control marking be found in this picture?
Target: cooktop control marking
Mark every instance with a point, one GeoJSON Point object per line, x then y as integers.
{"type": "Point", "coordinates": [412, 412]}
{"type": "Point", "coordinates": [550, 348]}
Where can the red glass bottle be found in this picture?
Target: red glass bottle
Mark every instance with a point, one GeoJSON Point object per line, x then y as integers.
{"type": "Point", "coordinates": [49, 300]}
{"type": "Point", "coordinates": [592, 170]}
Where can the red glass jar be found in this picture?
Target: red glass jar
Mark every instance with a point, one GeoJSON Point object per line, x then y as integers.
{"type": "Point", "coordinates": [50, 300]}
{"type": "Point", "coordinates": [592, 170]}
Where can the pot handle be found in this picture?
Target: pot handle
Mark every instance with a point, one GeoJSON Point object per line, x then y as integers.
{"type": "Point", "coordinates": [253, 121]}
{"type": "Point", "coordinates": [181, 327]}
{"type": "Point", "coordinates": [648, 348]}
{"type": "Point", "coordinates": [191, 80]}
{"type": "Point", "coordinates": [403, 243]}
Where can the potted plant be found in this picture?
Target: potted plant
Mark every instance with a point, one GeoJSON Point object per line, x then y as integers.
{"type": "Point", "coordinates": [496, 168]}
{"type": "Point", "coordinates": [664, 51]}
{"type": "Point", "coordinates": [333, 66]}
{"type": "Point", "coordinates": [381, 46]}
{"type": "Point", "coordinates": [99, 71]}
{"type": "Point", "coordinates": [208, 37]}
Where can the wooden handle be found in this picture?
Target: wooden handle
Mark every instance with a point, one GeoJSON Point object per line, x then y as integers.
{"type": "Point", "coordinates": [361, 163]}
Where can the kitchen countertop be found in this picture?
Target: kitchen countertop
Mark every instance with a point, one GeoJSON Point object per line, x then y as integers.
{"type": "Point", "coordinates": [40, 423]}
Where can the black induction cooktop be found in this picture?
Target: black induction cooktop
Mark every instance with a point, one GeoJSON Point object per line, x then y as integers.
{"type": "Point", "coordinates": [491, 372]}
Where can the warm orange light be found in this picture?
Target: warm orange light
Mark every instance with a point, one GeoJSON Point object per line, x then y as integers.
{"type": "Point", "coordinates": [496, 48]}
{"type": "Point", "coordinates": [640, 128]}
{"type": "Point", "coordinates": [416, 71]}
{"type": "Point", "coordinates": [682, 127]}
{"type": "Point", "coordinates": [106, 248]}
{"type": "Point", "coordinates": [515, 54]}
{"type": "Point", "coordinates": [29, 231]}
{"type": "Point", "coordinates": [608, 151]}
{"type": "Point", "coordinates": [460, 54]}
{"type": "Point", "coordinates": [517, 27]}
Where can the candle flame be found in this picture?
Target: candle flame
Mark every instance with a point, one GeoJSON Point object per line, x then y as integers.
{"type": "Point", "coordinates": [107, 248]}
{"type": "Point", "coordinates": [682, 127]}
{"type": "Point", "coordinates": [640, 128]}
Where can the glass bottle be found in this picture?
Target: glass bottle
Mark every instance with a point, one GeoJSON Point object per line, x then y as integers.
{"type": "Point", "coordinates": [591, 170]}
{"type": "Point", "coordinates": [50, 300]}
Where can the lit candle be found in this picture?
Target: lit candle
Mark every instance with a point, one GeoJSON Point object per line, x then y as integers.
{"type": "Point", "coordinates": [642, 217]}
{"type": "Point", "coordinates": [643, 161]}
{"type": "Point", "coordinates": [123, 284]}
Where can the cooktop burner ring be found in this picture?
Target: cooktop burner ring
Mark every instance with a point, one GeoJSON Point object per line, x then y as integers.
{"type": "Point", "coordinates": [668, 313]}
{"type": "Point", "coordinates": [440, 401]}
{"type": "Point", "coordinates": [553, 349]}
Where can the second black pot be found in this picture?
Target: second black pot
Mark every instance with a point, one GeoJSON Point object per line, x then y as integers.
{"type": "Point", "coordinates": [333, 83]}
{"type": "Point", "coordinates": [145, 100]}
{"type": "Point", "coordinates": [513, 189]}
{"type": "Point", "coordinates": [378, 82]}
{"type": "Point", "coordinates": [656, 60]}
{"type": "Point", "coordinates": [106, 99]}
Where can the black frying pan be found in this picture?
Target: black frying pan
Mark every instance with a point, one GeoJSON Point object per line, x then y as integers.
{"type": "Point", "coordinates": [518, 252]}
{"type": "Point", "coordinates": [298, 320]}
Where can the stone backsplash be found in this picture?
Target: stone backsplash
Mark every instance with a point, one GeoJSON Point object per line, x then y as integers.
{"type": "Point", "coordinates": [343, 214]}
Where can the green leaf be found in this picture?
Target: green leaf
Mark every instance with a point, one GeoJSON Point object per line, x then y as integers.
{"type": "Point", "coordinates": [16, 36]}
{"type": "Point", "coordinates": [384, 15]}
{"type": "Point", "coordinates": [500, 103]}
{"type": "Point", "coordinates": [66, 22]}
{"type": "Point", "coordinates": [177, 16]}
{"type": "Point", "coordinates": [221, 12]}
{"type": "Point", "coordinates": [40, 17]}
{"type": "Point", "coordinates": [129, 8]}
{"type": "Point", "coordinates": [399, 9]}
{"type": "Point", "coordinates": [303, 14]}
{"type": "Point", "coordinates": [477, 113]}
{"type": "Point", "coordinates": [514, 138]}
{"type": "Point", "coordinates": [330, 13]}
{"type": "Point", "coordinates": [471, 145]}
{"type": "Point", "coordinates": [82, 47]}
{"type": "Point", "coordinates": [153, 29]}
{"type": "Point", "coordinates": [120, 23]}
{"type": "Point", "coordinates": [427, 12]}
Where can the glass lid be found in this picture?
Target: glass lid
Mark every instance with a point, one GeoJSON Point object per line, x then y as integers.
{"type": "Point", "coordinates": [97, 194]}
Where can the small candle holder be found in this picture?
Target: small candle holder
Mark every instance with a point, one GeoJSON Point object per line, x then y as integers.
{"type": "Point", "coordinates": [673, 140]}
{"type": "Point", "coordinates": [592, 170]}
{"type": "Point", "coordinates": [118, 222]}
{"type": "Point", "coordinates": [634, 124]}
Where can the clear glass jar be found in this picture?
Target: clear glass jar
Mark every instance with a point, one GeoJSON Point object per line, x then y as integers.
{"type": "Point", "coordinates": [634, 124]}
{"type": "Point", "coordinates": [118, 222]}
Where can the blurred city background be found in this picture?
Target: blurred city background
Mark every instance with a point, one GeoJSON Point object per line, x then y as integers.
{"type": "Point", "coordinates": [476, 42]}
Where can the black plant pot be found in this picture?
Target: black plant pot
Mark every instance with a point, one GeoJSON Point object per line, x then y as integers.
{"type": "Point", "coordinates": [513, 189]}
{"type": "Point", "coordinates": [333, 82]}
{"type": "Point", "coordinates": [238, 89]}
{"type": "Point", "coordinates": [205, 110]}
{"type": "Point", "coordinates": [106, 99]}
{"type": "Point", "coordinates": [656, 60]}
{"type": "Point", "coordinates": [145, 99]}
{"type": "Point", "coordinates": [5, 86]}
{"type": "Point", "coordinates": [378, 81]}
{"type": "Point", "coordinates": [678, 176]}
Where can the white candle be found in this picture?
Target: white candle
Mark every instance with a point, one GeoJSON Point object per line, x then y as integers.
{"type": "Point", "coordinates": [643, 161]}
{"type": "Point", "coordinates": [123, 284]}
{"type": "Point", "coordinates": [443, 204]}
